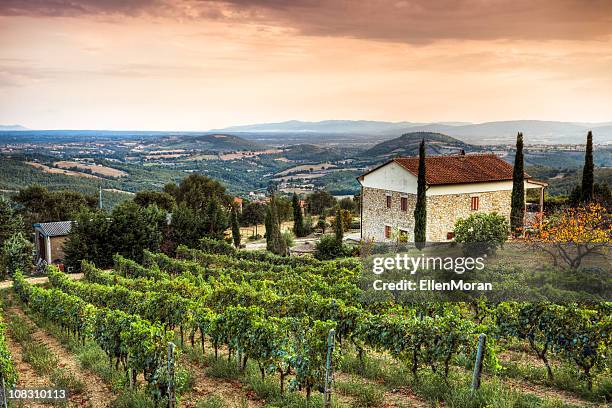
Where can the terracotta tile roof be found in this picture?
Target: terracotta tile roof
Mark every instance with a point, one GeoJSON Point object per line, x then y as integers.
{"type": "Point", "coordinates": [469, 168]}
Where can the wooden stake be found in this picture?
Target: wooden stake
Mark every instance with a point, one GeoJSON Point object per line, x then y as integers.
{"type": "Point", "coordinates": [329, 369]}
{"type": "Point", "coordinates": [171, 387]}
{"type": "Point", "coordinates": [478, 364]}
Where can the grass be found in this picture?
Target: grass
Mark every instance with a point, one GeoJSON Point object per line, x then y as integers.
{"type": "Point", "coordinates": [221, 368]}
{"type": "Point", "coordinates": [64, 379]}
{"type": "Point", "coordinates": [39, 357]}
{"type": "Point", "coordinates": [566, 378]}
{"type": "Point", "coordinates": [132, 399]}
{"type": "Point", "coordinates": [364, 395]}
{"type": "Point", "coordinates": [212, 401]}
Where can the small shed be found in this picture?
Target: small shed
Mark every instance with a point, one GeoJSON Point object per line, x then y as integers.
{"type": "Point", "coordinates": [50, 238]}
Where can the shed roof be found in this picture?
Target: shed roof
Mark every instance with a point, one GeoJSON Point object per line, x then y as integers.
{"type": "Point", "coordinates": [54, 229]}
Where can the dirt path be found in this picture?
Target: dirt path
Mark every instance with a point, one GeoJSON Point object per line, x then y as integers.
{"type": "Point", "coordinates": [28, 378]}
{"type": "Point", "coordinates": [548, 392]}
{"type": "Point", "coordinates": [37, 280]}
{"type": "Point", "coordinates": [397, 397]}
{"type": "Point", "coordinates": [96, 394]}
{"type": "Point", "coordinates": [230, 390]}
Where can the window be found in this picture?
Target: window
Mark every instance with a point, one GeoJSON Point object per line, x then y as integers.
{"type": "Point", "coordinates": [388, 200]}
{"type": "Point", "coordinates": [475, 203]}
{"type": "Point", "coordinates": [450, 235]}
{"type": "Point", "coordinates": [387, 231]}
{"type": "Point", "coordinates": [404, 203]}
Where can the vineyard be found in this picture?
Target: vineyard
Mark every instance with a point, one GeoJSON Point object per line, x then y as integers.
{"type": "Point", "coordinates": [253, 329]}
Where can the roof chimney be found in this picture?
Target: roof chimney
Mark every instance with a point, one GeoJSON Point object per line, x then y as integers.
{"type": "Point", "coordinates": [462, 152]}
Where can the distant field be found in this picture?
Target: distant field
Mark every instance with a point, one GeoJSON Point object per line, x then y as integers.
{"type": "Point", "coordinates": [53, 170]}
{"type": "Point", "coordinates": [306, 167]}
{"type": "Point", "coordinates": [94, 168]}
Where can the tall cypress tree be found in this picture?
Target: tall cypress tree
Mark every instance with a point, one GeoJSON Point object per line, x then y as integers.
{"type": "Point", "coordinates": [298, 217]}
{"type": "Point", "coordinates": [517, 211]}
{"type": "Point", "coordinates": [587, 172]}
{"type": "Point", "coordinates": [338, 227]}
{"type": "Point", "coordinates": [420, 209]}
{"type": "Point", "coordinates": [235, 228]}
{"type": "Point", "coordinates": [275, 242]}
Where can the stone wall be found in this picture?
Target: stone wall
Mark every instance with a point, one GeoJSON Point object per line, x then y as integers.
{"type": "Point", "coordinates": [444, 210]}
{"type": "Point", "coordinates": [376, 214]}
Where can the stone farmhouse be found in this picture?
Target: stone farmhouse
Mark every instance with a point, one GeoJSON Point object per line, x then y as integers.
{"type": "Point", "coordinates": [457, 186]}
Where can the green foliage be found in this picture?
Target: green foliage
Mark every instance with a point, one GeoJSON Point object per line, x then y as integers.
{"type": "Point", "coordinates": [253, 214]}
{"type": "Point", "coordinates": [328, 247]}
{"type": "Point", "coordinates": [16, 254]}
{"type": "Point", "coordinates": [587, 188]}
{"type": "Point", "coordinates": [213, 246]}
{"type": "Point", "coordinates": [235, 228]}
{"type": "Point", "coordinates": [41, 205]}
{"type": "Point", "coordinates": [298, 217]}
{"type": "Point", "coordinates": [162, 200]}
{"type": "Point", "coordinates": [197, 191]}
{"type": "Point", "coordinates": [420, 209]}
{"type": "Point", "coordinates": [10, 221]}
{"type": "Point", "coordinates": [275, 242]}
{"type": "Point", "coordinates": [517, 211]}
{"type": "Point", "coordinates": [7, 366]}
{"type": "Point", "coordinates": [579, 334]}
{"type": "Point", "coordinates": [339, 227]}
{"type": "Point", "coordinates": [319, 201]}
{"type": "Point", "coordinates": [481, 233]}
{"type": "Point", "coordinates": [129, 230]}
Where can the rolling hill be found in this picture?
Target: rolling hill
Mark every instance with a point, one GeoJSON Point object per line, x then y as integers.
{"type": "Point", "coordinates": [217, 142]}
{"type": "Point", "coordinates": [498, 132]}
{"type": "Point", "coordinates": [408, 145]}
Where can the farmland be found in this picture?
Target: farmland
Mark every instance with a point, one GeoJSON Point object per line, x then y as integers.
{"type": "Point", "coordinates": [251, 329]}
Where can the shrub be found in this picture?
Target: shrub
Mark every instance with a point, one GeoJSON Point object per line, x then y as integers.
{"type": "Point", "coordinates": [328, 247]}
{"type": "Point", "coordinates": [213, 246]}
{"type": "Point", "coordinates": [289, 238]}
{"type": "Point", "coordinates": [482, 233]}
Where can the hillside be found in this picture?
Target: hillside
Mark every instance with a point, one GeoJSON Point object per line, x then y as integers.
{"type": "Point", "coordinates": [214, 142]}
{"type": "Point", "coordinates": [310, 152]}
{"type": "Point", "coordinates": [408, 145]}
{"type": "Point", "coordinates": [535, 131]}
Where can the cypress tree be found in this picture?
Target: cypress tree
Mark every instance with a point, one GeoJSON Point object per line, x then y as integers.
{"type": "Point", "coordinates": [587, 172]}
{"type": "Point", "coordinates": [275, 242]}
{"type": "Point", "coordinates": [517, 211]}
{"type": "Point", "coordinates": [338, 228]}
{"type": "Point", "coordinates": [268, 224]}
{"type": "Point", "coordinates": [298, 218]}
{"type": "Point", "coordinates": [420, 209]}
{"type": "Point", "coordinates": [235, 228]}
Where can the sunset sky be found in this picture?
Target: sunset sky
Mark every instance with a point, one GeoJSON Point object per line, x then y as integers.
{"type": "Point", "coordinates": [196, 65]}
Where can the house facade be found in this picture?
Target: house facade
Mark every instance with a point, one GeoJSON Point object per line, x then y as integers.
{"type": "Point", "coordinates": [457, 186]}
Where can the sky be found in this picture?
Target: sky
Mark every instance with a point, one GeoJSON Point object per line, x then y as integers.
{"type": "Point", "coordinates": [202, 64]}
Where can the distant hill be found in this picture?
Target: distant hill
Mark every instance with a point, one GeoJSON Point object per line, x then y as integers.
{"type": "Point", "coordinates": [500, 132]}
{"type": "Point", "coordinates": [408, 145]}
{"type": "Point", "coordinates": [217, 142]}
{"type": "Point", "coordinates": [327, 126]}
{"type": "Point", "coordinates": [310, 152]}
{"type": "Point", "coordinates": [13, 127]}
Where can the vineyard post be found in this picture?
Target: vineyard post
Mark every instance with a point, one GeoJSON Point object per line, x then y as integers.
{"type": "Point", "coordinates": [171, 388]}
{"type": "Point", "coordinates": [478, 364]}
{"type": "Point", "coordinates": [329, 373]}
{"type": "Point", "coordinates": [3, 393]}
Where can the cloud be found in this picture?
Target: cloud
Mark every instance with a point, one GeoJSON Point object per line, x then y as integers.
{"type": "Point", "coordinates": [409, 21]}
